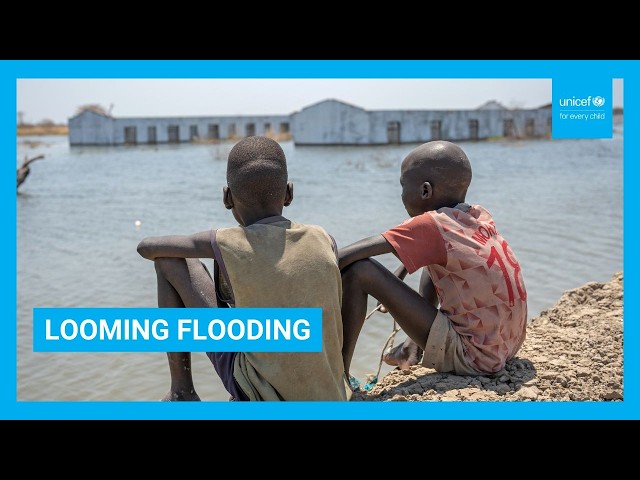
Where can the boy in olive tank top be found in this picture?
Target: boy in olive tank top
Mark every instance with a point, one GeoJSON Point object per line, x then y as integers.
{"type": "Point", "coordinates": [266, 261]}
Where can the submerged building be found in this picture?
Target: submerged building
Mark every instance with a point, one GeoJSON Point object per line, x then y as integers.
{"type": "Point", "coordinates": [329, 122]}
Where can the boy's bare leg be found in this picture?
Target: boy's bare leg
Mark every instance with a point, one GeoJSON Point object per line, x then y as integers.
{"type": "Point", "coordinates": [183, 283]}
{"type": "Point", "coordinates": [414, 313]}
{"type": "Point", "coordinates": [409, 353]}
{"type": "Point", "coordinates": [182, 388]}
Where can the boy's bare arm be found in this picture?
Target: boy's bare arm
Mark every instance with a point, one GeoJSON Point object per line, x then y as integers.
{"type": "Point", "coordinates": [400, 272]}
{"type": "Point", "coordinates": [197, 245]}
{"type": "Point", "coordinates": [365, 248]}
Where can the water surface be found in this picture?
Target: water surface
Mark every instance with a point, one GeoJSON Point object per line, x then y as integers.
{"type": "Point", "coordinates": [557, 202]}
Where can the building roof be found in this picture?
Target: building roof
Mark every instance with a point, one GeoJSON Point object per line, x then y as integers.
{"type": "Point", "coordinates": [492, 105]}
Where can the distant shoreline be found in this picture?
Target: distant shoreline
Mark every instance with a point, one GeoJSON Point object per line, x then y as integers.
{"type": "Point", "coordinates": [27, 130]}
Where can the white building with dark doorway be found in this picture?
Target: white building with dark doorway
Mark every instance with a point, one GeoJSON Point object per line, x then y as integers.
{"type": "Point", "coordinates": [329, 122]}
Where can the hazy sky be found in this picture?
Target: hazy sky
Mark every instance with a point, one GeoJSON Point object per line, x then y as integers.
{"type": "Point", "coordinates": [59, 99]}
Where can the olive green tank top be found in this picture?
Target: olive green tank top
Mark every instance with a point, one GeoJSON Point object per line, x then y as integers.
{"type": "Point", "coordinates": [282, 264]}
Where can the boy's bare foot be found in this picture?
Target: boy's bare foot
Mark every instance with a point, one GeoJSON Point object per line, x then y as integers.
{"type": "Point", "coordinates": [403, 356]}
{"type": "Point", "coordinates": [171, 396]}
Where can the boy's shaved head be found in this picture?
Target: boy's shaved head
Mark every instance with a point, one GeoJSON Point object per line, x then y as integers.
{"type": "Point", "coordinates": [433, 175]}
{"type": "Point", "coordinates": [443, 163]}
{"type": "Point", "coordinates": [257, 171]}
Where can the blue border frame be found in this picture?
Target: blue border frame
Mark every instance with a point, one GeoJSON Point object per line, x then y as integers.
{"type": "Point", "coordinates": [12, 70]}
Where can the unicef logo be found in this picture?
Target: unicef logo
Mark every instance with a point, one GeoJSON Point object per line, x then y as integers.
{"type": "Point", "coordinates": [597, 101]}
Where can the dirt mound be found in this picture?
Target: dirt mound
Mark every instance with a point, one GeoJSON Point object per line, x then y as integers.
{"type": "Point", "coordinates": [573, 352]}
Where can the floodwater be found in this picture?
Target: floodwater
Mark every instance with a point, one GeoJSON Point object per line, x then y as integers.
{"type": "Point", "coordinates": [82, 211]}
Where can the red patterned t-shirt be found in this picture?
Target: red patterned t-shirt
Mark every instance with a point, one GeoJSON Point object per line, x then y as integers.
{"type": "Point", "coordinates": [476, 275]}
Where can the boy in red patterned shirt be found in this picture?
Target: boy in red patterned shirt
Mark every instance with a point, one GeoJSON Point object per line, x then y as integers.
{"type": "Point", "coordinates": [470, 314]}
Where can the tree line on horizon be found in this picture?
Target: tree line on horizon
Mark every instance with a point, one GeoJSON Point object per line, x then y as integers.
{"type": "Point", "coordinates": [93, 107]}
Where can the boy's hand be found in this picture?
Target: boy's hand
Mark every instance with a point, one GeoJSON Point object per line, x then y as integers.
{"type": "Point", "coordinates": [379, 308]}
